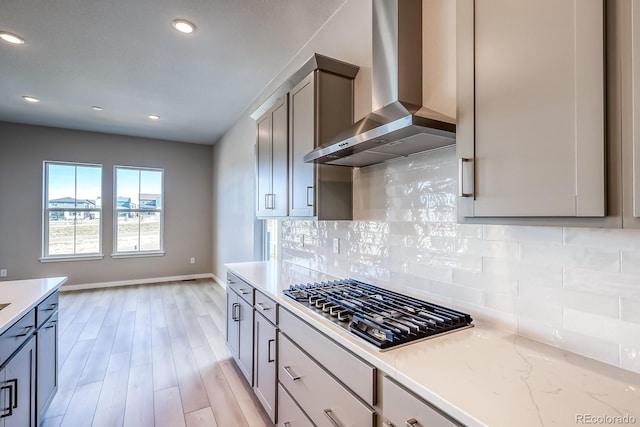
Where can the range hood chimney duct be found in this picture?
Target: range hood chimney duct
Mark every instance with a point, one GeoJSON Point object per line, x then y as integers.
{"type": "Point", "coordinates": [400, 124]}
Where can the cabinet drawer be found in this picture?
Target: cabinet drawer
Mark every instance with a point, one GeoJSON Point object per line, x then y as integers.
{"type": "Point", "coordinates": [403, 408]}
{"type": "Point", "coordinates": [289, 413]}
{"type": "Point", "coordinates": [267, 307]}
{"type": "Point", "coordinates": [17, 334]}
{"type": "Point", "coordinates": [46, 308]}
{"type": "Point", "coordinates": [354, 372]}
{"type": "Point", "coordinates": [326, 401]}
{"type": "Point", "coordinates": [240, 287]}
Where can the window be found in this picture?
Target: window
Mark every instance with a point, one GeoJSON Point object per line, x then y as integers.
{"type": "Point", "coordinates": [72, 210]}
{"type": "Point", "coordinates": [138, 212]}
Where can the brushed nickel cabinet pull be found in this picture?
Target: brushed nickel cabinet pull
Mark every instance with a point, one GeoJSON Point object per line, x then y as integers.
{"type": "Point", "coordinates": [287, 369]}
{"type": "Point", "coordinates": [235, 312]}
{"type": "Point", "coordinates": [461, 192]}
{"type": "Point", "coordinates": [260, 306]}
{"type": "Point", "coordinates": [286, 424]}
{"type": "Point", "coordinates": [8, 411]}
{"type": "Point", "coordinates": [243, 291]}
{"type": "Point", "coordinates": [25, 333]}
{"type": "Point", "coordinates": [269, 359]}
{"type": "Point", "coordinates": [332, 418]}
{"type": "Point", "coordinates": [411, 422]}
{"type": "Point", "coordinates": [309, 203]}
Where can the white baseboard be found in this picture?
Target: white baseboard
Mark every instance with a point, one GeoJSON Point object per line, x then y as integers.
{"type": "Point", "coordinates": [99, 285]}
{"type": "Point", "coordinates": [220, 282]}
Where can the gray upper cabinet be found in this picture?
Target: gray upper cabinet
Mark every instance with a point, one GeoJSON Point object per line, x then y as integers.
{"type": "Point", "coordinates": [531, 118]}
{"type": "Point", "coordinates": [271, 161]}
{"type": "Point", "coordinates": [320, 106]}
{"type": "Point", "coordinates": [308, 110]}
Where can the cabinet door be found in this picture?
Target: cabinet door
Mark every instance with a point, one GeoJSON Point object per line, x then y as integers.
{"type": "Point", "coordinates": [303, 135]}
{"type": "Point", "coordinates": [531, 108]}
{"type": "Point", "coordinates": [46, 365]}
{"type": "Point", "coordinates": [245, 343]}
{"type": "Point", "coordinates": [233, 325]}
{"type": "Point", "coordinates": [264, 378]}
{"type": "Point", "coordinates": [271, 161]}
{"type": "Point", "coordinates": [264, 166]}
{"type": "Point", "coordinates": [19, 377]}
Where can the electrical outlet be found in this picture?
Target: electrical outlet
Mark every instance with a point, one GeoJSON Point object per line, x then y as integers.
{"type": "Point", "coordinates": [3, 272]}
{"type": "Point", "coordinates": [336, 245]}
{"type": "Point", "coordinates": [193, 260]}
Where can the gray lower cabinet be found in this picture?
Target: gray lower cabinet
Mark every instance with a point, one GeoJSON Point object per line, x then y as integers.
{"type": "Point", "coordinates": [531, 116]}
{"type": "Point", "coordinates": [289, 413]}
{"type": "Point", "coordinates": [46, 365]}
{"type": "Point", "coordinates": [240, 332]}
{"type": "Point", "coordinates": [17, 388]}
{"type": "Point", "coordinates": [403, 408]}
{"type": "Point", "coordinates": [265, 368]}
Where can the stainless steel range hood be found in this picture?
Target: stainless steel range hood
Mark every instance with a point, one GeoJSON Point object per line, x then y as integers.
{"type": "Point", "coordinates": [403, 125]}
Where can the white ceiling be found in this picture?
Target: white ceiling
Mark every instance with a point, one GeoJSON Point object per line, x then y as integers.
{"type": "Point", "coordinates": [124, 56]}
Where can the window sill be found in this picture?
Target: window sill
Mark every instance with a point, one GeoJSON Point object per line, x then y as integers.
{"type": "Point", "coordinates": [72, 258]}
{"type": "Point", "coordinates": [137, 254]}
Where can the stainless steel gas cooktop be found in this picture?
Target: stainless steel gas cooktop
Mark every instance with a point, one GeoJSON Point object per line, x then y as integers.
{"type": "Point", "coordinates": [384, 318]}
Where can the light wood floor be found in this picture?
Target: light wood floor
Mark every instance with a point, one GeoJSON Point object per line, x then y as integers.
{"type": "Point", "coordinates": [151, 355]}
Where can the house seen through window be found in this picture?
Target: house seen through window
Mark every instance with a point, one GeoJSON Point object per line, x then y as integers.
{"type": "Point", "coordinates": [72, 210]}
{"type": "Point", "coordinates": [138, 213]}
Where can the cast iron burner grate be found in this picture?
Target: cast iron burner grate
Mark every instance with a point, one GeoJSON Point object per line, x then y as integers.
{"type": "Point", "coordinates": [382, 317]}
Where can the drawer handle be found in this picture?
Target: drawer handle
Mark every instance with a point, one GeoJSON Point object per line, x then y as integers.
{"type": "Point", "coordinates": [332, 418]}
{"type": "Point", "coordinates": [230, 282]}
{"type": "Point", "coordinates": [286, 424]}
{"type": "Point", "coordinates": [293, 376]}
{"type": "Point", "coordinates": [28, 328]}
{"type": "Point", "coordinates": [412, 423]}
{"type": "Point", "coordinates": [261, 306]}
{"type": "Point", "coordinates": [52, 325]}
{"type": "Point", "coordinates": [242, 291]}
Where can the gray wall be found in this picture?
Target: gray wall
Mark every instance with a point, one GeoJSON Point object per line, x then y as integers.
{"type": "Point", "coordinates": [188, 202]}
{"type": "Point", "coordinates": [236, 233]}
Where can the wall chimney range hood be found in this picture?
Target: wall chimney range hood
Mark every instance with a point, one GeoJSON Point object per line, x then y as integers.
{"type": "Point", "coordinates": [403, 125]}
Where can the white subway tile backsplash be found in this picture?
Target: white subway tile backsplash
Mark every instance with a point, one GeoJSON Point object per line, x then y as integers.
{"type": "Point", "coordinates": [630, 309]}
{"type": "Point", "coordinates": [630, 262]}
{"type": "Point", "coordinates": [590, 258]}
{"type": "Point", "coordinates": [550, 235]}
{"type": "Point", "coordinates": [604, 328]}
{"type": "Point", "coordinates": [603, 305]}
{"type": "Point", "coordinates": [619, 239]}
{"type": "Point", "coordinates": [575, 288]}
{"type": "Point", "coordinates": [604, 283]}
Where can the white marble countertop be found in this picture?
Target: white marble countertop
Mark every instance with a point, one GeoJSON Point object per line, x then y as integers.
{"type": "Point", "coordinates": [22, 296]}
{"type": "Point", "coordinates": [482, 375]}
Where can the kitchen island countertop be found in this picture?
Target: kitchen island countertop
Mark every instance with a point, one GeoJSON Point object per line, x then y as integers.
{"type": "Point", "coordinates": [23, 295]}
{"type": "Point", "coordinates": [482, 375]}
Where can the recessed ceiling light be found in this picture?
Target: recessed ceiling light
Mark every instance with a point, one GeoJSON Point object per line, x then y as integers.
{"type": "Point", "coordinates": [11, 38]}
{"type": "Point", "coordinates": [30, 99]}
{"type": "Point", "coordinates": [183, 26]}
{"type": "Point", "coordinates": [97, 108]}
{"type": "Point", "coordinates": [154, 117]}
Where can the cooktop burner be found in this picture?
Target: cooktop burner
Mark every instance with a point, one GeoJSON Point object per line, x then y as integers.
{"type": "Point", "coordinates": [382, 317]}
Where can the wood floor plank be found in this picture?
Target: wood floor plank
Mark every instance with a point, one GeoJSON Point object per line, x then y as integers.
{"type": "Point", "coordinates": [168, 408]}
{"type": "Point", "coordinates": [82, 407]}
{"type": "Point", "coordinates": [112, 401]}
{"type": "Point", "coordinates": [225, 407]}
{"type": "Point", "coordinates": [149, 355]}
{"type": "Point", "coordinates": [139, 407]}
{"type": "Point", "coordinates": [201, 418]}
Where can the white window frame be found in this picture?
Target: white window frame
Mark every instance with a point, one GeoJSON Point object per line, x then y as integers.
{"type": "Point", "coordinates": [46, 257]}
{"type": "Point", "coordinates": [116, 211]}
